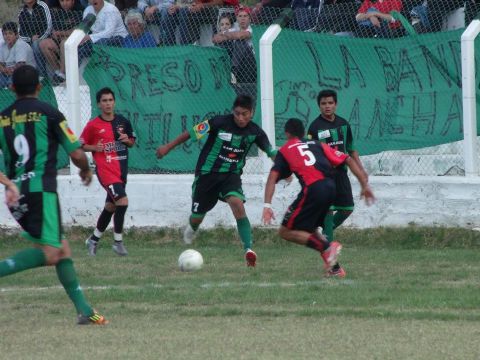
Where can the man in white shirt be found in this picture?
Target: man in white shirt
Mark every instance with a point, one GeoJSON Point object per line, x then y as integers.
{"type": "Point", "coordinates": [108, 28]}
{"type": "Point", "coordinates": [14, 52]}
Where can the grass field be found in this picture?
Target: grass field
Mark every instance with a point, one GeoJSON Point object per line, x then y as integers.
{"type": "Point", "coordinates": [409, 294]}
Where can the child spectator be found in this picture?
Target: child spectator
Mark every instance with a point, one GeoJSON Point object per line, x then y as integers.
{"type": "Point", "coordinates": [64, 20]}
{"type": "Point", "coordinates": [224, 24]}
{"type": "Point", "coordinates": [137, 36]}
{"type": "Point", "coordinates": [14, 52]}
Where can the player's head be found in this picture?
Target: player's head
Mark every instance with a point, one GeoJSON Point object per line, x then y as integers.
{"type": "Point", "coordinates": [242, 110]}
{"type": "Point", "coordinates": [25, 81]}
{"type": "Point", "coordinates": [327, 102]}
{"type": "Point", "coordinates": [294, 128]}
{"type": "Point", "coordinates": [106, 100]}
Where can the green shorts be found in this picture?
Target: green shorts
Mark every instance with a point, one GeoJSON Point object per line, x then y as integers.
{"type": "Point", "coordinates": [38, 213]}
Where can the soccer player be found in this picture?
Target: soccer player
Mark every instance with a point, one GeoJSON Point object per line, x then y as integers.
{"type": "Point", "coordinates": [335, 131]}
{"type": "Point", "coordinates": [313, 164]}
{"type": "Point", "coordinates": [220, 165]}
{"type": "Point", "coordinates": [30, 134]}
{"type": "Point", "coordinates": [108, 137]}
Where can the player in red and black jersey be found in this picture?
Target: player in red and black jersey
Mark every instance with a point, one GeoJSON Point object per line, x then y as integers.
{"type": "Point", "coordinates": [313, 164]}
{"type": "Point", "coordinates": [108, 137]}
{"type": "Point", "coordinates": [220, 164]}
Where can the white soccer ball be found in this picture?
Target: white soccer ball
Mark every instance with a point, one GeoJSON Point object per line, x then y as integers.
{"type": "Point", "coordinates": [190, 260]}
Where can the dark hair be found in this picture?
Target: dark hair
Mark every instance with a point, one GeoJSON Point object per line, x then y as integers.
{"type": "Point", "coordinates": [327, 93]}
{"type": "Point", "coordinates": [25, 80]}
{"type": "Point", "coordinates": [295, 127]}
{"type": "Point", "coordinates": [104, 91]}
{"type": "Point", "coordinates": [10, 26]}
{"type": "Point", "coordinates": [244, 101]}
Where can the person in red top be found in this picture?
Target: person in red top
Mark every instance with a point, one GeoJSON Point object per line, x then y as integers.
{"type": "Point", "coordinates": [108, 137]}
{"type": "Point", "coordinates": [313, 164]}
{"type": "Point", "coordinates": [374, 18]}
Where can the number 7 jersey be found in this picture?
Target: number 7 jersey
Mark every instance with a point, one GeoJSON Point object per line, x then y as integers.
{"type": "Point", "coordinates": [310, 161]}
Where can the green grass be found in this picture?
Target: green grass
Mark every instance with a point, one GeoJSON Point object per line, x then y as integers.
{"type": "Point", "coordinates": [410, 293]}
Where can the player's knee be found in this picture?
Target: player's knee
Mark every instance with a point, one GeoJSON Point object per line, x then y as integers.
{"type": "Point", "coordinates": [110, 207]}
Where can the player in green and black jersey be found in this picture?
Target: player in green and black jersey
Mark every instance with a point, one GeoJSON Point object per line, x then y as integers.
{"type": "Point", "coordinates": [220, 165]}
{"type": "Point", "coordinates": [335, 131]}
{"type": "Point", "coordinates": [30, 133]}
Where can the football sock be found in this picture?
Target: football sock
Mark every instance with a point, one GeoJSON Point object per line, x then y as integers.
{"type": "Point", "coordinates": [316, 243]}
{"type": "Point", "coordinates": [68, 278]}
{"type": "Point", "coordinates": [117, 237]}
{"type": "Point", "coordinates": [104, 220]}
{"type": "Point", "coordinates": [340, 217]}
{"type": "Point", "coordinates": [328, 227]}
{"type": "Point", "coordinates": [119, 218]}
{"type": "Point", "coordinates": [96, 235]}
{"type": "Point", "coordinates": [193, 225]}
{"type": "Point", "coordinates": [22, 260]}
{"type": "Point", "coordinates": [245, 232]}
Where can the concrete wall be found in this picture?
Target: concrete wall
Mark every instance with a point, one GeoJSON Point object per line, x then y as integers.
{"type": "Point", "coordinates": [164, 200]}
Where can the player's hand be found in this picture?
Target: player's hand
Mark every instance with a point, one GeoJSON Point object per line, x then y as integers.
{"type": "Point", "coordinates": [11, 195]}
{"type": "Point", "coordinates": [99, 147]}
{"type": "Point", "coordinates": [162, 151]}
{"type": "Point", "coordinates": [124, 138]}
{"type": "Point", "coordinates": [367, 194]}
{"type": "Point", "coordinates": [86, 176]}
{"type": "Point", "coordinates": [267, 216]}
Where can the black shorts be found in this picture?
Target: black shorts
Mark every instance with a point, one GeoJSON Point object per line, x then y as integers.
{"type": "Point", "coordinates": [209, 188]}
{"type": "Point", "coordinates": [38, 213]}
{"type": "Point", "coordinates": [310, 207]}
{"type": "Point", "coordinates": [115, 192]}
{"type": "Point", "coordinates": [344, 198]}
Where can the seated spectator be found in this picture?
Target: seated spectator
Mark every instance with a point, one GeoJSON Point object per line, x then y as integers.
{"type": "Point", "coordinates": [64, 20]}
{"type": "Point", "coordinates": [374, 19]}
{"type": "Point", "coordinates": [157, 12]}
{"type": "Point", "coordinates": [193, 14]}
{"type": "Point", "coordinates": [137, 36]}
{"type": "Point", "coordinates": [35, 24]}
{"type": "Point", "coordinates": [77, 5]}
{"type": "Point", "coordinates": [14, 52]}
{"type": "Point", "coordinates": [244, 66]}
{"type": "Point", "coordinates": [108, 28]}
{"type": "Point", "coordinates": [306, 14]}
{"type": "Point", "coordinates": [437, 10]}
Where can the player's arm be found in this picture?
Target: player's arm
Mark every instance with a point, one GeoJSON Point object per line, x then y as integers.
{"type": "Point", "coordinates": [163, 150]}
{"type": "Point", "coordinates": [11, 191]}
{"type": "Point", "coordinates": [128, 138]}
{"type": "Point", "coordinates": [359, 173]}
{"type": "Point", "coordinates": [355, 156]}
{"type": "Point", "coordinates": [80, 160]}
{"type": "Point", "coordinates": [267, 214]}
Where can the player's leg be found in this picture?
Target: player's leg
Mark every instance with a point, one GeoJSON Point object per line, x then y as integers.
{"type": "Point", "coordinates": [102, 224]}
{"type": "Point", "coordinates": [121, 205]}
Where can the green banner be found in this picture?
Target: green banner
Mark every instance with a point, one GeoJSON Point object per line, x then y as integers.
{"type": "Point", "coordinates": [397, 94]}
{"type": "Point", "coordinates": [163, 92]}
{"type": "Point", "coordinates": [7, 97]}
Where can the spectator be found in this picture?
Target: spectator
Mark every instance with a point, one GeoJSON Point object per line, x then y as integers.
{"type": "Point", "coordinates": [14, 52]}
{"type": "Point", "coordinates": [224, 24]}
{"type": "Point", "coordinates": [437, 10]}
{"type": "Point", "coordinates": [158, 12]}
{"type": "Point", "coordinates": [374, 18]}
{"type": "Point", "coordinates": [108, 28]}
{"type": "Point", "coordinates": [126, 5]}
{"type": "Point", "coordinates": [78, 5]}
{"type": "Point", "coordinates": [137, 36]}
{"type": "Point", "coordinates": [244, 66]}
{"type": "Point", "coordinates": [266, 11]}
{"type": "Point", "coordinates": [35, 24]}
{"type": "Point", "coordinates": [64, 20]}
{"type": "Point", "coordinates": [192, 15]}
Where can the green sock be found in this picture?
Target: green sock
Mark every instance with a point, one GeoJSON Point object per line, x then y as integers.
{"type": "Point", "coordinates": [68, 278]}
{"type": "Point", "coordinates": [328, 227]}
{"type": "Point", "coordinates": [340, 217]}
{"type": "Point", "coordinates": [23, 260]}
{"type": "Point", "coordinates": [245, 231]}
{"type": "Point", "coordinates": [193, 225]}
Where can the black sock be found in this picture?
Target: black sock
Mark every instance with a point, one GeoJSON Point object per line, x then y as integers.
{"type": "Point", "coordinates": [317, 244]}
{"type": "Point", "coordinates": [104, 220]}
{"type": "Point", "coordinates": [119, 218]}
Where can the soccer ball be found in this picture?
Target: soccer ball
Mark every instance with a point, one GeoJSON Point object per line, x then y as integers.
{"type": "Point", "coordinates": [190, 260]}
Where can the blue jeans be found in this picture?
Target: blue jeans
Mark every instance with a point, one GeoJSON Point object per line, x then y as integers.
{"type": "Point", "coordinates": [167, 24]}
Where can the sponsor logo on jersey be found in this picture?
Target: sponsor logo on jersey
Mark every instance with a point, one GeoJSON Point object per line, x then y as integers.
{"type": "Point", "coordinates": [101, 131]}
{"type": "Point", "coordinates": [67, 131]}
{"type": "Point", "coordinates": [225, 136]}
{"type": "Point", "coordinates": [201, 129]}
{"type": "Point", "coordinates": [323, 134]}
